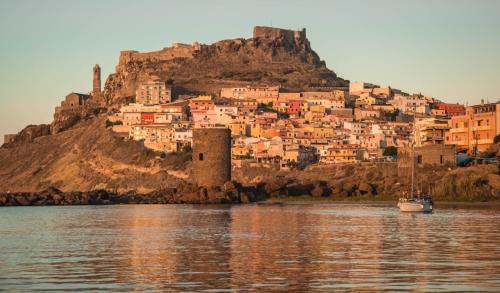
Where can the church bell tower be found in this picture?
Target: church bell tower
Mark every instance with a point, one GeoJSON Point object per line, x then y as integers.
{"type": "Point", "coordinates": [96, 90]}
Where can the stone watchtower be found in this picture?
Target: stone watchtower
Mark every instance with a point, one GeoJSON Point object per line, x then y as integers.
{"type": "Point", "coordinates": [211, 156]}
{"type": "Point", "coordinates": [96, 90]}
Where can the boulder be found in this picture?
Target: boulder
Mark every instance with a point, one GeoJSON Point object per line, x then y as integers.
{"type": "Point", "coordinates": [57, 198]}
{"type": "Point", "coordinates": [272, 189]}
{"type": "Point", "coordinates": [297, 189]}
{"type": "Point", "coordinates": [494, 181]}
{"type": "Point", "coordinates": [317, 191]}
{"type": "Point", "coordinates": [21, 200]}
{"type": "Point", "coordinates": [365, 188]}
{"type": "Point", "coordinates": [244, 198]}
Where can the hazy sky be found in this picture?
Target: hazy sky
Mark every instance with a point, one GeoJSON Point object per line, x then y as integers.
{"type": "Point", "coordinates": [446, 49]}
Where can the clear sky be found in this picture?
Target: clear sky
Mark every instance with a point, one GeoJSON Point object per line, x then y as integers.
{"type": "Point", "coordinates": [449, 49]}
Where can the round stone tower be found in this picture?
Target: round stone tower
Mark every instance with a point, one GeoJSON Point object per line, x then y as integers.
{"type": "Point", "coordinates": [211, 156]}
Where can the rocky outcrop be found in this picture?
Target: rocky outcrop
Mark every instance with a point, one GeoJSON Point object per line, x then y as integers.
{"type": "Point", "coordinates": [272, 56]}
{"type": "Point", "coordinates": [64, 119]}
{"type": "Point", "coordinates": [29, 134]}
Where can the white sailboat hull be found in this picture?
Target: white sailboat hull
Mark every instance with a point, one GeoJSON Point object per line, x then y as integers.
{"type": "Point", "coordinates": [424, 206]}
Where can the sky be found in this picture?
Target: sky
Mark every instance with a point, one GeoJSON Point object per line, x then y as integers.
{"type": "Point", "coordinates": [448, 49]}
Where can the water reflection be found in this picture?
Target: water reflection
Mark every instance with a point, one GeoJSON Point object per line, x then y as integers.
{"type": "Point", "coordinates": [249, 248]}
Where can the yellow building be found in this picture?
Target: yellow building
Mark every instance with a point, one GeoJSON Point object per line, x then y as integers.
{"type": "Point", "coordinates": [237, 128]}
{"type": "Point", "coordinates": [365, 99]}
{"type": "Point", "coordinates": [322, 132]}
{"type": "Point", "coordinates": [339, 154]}
{"type": "Point", "coordinates": [430, 131]}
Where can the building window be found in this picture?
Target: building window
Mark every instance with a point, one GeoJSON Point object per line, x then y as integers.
{"type": "Point", "coordinates": [419, 159]}
{"type": "Point", "coordinates": [441, 159]}
{"type": "Point", "coordinates": [200, 156]}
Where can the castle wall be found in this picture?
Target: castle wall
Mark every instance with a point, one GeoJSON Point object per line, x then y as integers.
{"type": "Point", "coordinates": [211, 156]}
{"type": "Point", "coordinates": [8, 138]}
{"type": "Point", "coordinates": [272, 32]}
{"type": "Point", "coordinates": [429, 155]}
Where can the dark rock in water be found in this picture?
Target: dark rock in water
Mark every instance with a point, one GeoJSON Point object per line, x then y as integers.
{"type": "Point", "coordinates": [317, 191]}
{"type": "Point", "coordinates": [296, 189]}
{"type": "Point", "coordinates": [272, 189]}
{"type": "Point", "coordinates": [57, 198]}
{"type": "Point", "coordinates": [21, 200]}
{"type": "Point", "coordinates": [3, 199]}
{"type": "Point", "coordinates": [365, 188]}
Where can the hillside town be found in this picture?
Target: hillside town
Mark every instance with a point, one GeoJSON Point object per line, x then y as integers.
{"type": "Point", "coordinates": [275, 127]}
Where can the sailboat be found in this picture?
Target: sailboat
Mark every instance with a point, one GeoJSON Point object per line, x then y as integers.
{"type": "Point", "coordinates": [415, 202]}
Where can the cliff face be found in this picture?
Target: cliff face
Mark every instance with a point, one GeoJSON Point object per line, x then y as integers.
{"type": "Point", "coordinates": [273, 56]}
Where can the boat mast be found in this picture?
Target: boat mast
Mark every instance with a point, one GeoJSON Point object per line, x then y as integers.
{"type": "Point", "coordinates": [413, 149]}
{"type": "Point", "coordinates": [412, 167]}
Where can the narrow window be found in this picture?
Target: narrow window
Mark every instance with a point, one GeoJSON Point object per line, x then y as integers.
{"type": "Point", "coordinates": [200, 156]}
{"type": "Point", "coordinates": [441, 159]}
{"type": "Point", "coordinates": [419, 159]}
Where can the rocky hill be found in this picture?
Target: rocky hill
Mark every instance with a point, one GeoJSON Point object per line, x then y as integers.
{"type": "Point", "coordinates": [76, 152]}
{"type": "Point", "coordinates": [88, 156]}
{"type": "Point", "coordinates": [273, 56]}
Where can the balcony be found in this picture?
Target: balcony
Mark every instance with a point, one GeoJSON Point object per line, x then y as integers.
{"type": "Point", "coordinates": [483, 141]}
{"type": "Point", "coordinates": [458, 142]}
{"type": "Point", "coordinates": [459, 130]}
{"type": "Point", "coordinates": [482, 128]}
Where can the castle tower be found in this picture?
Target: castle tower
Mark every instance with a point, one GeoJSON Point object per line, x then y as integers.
{"type": "Point", "coordinates": [211, 156]}
{"type": "Point", "coordinates": [96, 90]}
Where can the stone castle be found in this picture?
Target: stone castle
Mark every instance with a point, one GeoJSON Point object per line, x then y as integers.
{"type": "Point", "coordinates": [272, 56]}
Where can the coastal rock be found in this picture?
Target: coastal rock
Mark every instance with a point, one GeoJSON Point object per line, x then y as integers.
{"type": "Point", "coordinates": [365, 188]}
{"type": "Point", "coordinates": [494, 181]}
{"type": "Point", "coordinates": [21, 200]}
{"type": "Point", "coordinates": [317, 191]}
{"type": "Point", "coordinates": [297, 189]}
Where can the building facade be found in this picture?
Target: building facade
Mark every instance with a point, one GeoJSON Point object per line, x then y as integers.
{"type": "Point", "coordinates": [475, 131]}
{"type": "Point", "coordinates": [153, 92]}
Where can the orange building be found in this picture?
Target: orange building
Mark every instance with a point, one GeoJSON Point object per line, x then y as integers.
{"type": "Point", "coordinates": [475, 131]}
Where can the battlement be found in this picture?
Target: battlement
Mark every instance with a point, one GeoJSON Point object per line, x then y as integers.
{"type": "Point", "coordinates": [274, 33]}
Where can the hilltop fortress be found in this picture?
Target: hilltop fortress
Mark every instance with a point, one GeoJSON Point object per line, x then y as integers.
{"type": "Point", "coordinates": [271, 56]}
{"type": "Point", "coordinates": [178, 50]}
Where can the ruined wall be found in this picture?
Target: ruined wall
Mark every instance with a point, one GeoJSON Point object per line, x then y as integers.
{"type": "Point", "coordinates": [28, 134]}
{"type": "Point", "coordinates": [175, 51]}
{"type": "Point", "coordinates": [276, 33]}
{"type": "Point", "coordinates": [9, 138]}
{"type": "Point", "coordinates": [438, 155]}
{"type": "Point", "coordinates": [211, 156]}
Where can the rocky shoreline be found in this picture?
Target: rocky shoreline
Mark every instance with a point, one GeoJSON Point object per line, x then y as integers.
{"type": "Point", "coordinates": [367, 183]}
{"type": "Point", "coordinates": [231, 192]}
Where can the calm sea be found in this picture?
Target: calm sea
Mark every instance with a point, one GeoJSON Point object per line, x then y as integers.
{"type": "Point", "coordinates": [297, 247]}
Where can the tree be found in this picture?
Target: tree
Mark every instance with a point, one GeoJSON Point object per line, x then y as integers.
{"type": "Point", "coordinates": [391, 151]}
